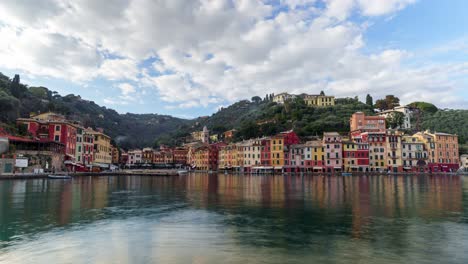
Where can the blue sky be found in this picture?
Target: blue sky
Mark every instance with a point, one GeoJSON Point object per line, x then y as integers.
{"type": "Point", "coordinates": [188, 58]}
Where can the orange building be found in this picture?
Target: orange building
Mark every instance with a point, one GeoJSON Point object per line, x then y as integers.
{"type": "Point", "coordinates": [147, 156]}
{"type": "Point", "coordinates": [180, 156]}
{"type": "Point", "coordinates": [115, 155]}
{"type": "Point", "coordinates": [359, 121]}
{"type": "Point", "coordinates": [442, 150]}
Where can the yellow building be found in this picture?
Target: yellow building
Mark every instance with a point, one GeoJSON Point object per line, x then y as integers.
{"type": "Point", "coordinates": [319, 100]}
{"type": "Point", "coordinates": [102, 149]}
{"type": "Point", "coordinates": [315, 155]}
{"type": "Point", "coordinates": [350, 158]}
{"type": "Point", "coordinates": [277, 151]}
{"type": "Point", "coordinates": [394, 150]}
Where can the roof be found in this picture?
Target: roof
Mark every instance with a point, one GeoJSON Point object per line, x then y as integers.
{"type": "Point", "coordinates": [314, 143]}
{"type": "Point", "coordinates": [331, 133]}
{"type": "Point", "coordinates": [443, 134]}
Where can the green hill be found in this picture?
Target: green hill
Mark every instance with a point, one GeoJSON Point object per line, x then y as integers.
{"type": "Point", "coordinates": [128, 130]}
{"type": "Point", "coordinates": [251, 119]}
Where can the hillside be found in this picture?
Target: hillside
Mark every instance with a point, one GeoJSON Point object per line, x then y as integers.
{"type": "Point", "coordinates": [251, 119]}
{"type": "Point", "coordinates": [128, 130]}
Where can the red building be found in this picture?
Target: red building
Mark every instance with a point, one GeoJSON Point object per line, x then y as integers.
{"type": "Point", "coordinates": [180, 156]}
{"type": "Point", "coordinates": [265, 153]}
{"type": "Point", "coordinates": [289, 138]}
{"type": "Point", "coordinates": [53, 127]}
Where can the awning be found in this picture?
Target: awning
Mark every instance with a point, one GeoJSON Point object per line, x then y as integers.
{"type": "Point", "coordinates": [102, 165]}
{"type": "Point", "coordinates": [278, 168]}
{"type": "Point", "coordinates": [318, 168]}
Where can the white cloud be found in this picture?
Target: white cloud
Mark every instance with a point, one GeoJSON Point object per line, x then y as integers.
{"type": "Point", "coordinates": [214, 52]}
{"type": "Point", "coordinates": [126, 88]}
{"type": "Point", "coordinates": [119, 69]}
{"type": "Point", "coordinates": [382, 7]}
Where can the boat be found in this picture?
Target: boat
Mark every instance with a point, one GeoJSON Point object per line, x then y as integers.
{"type": "Point", "coordinates": [182, 172]}
{"type": "Point", "coordinates": [57, 177]}
{"type": "Point", "coordinates": [346, 174]}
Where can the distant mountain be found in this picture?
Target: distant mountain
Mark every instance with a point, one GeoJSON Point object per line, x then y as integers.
{"type": "Point", "coordinates": [251, 119]}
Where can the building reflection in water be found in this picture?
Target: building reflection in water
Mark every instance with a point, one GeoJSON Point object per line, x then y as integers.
{"type": "Point", "coordinates": [272, 204]}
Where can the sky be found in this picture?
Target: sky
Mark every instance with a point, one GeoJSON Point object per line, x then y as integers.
{"type": "Point", "coordinates": [188, 58]}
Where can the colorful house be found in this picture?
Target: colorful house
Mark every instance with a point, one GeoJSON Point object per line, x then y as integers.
{"type": "Point", "coordinates": [54, 127]}
{"type": "Point", "coordinates": [364, 123]}
{"type": "Point", "coordinates": [377, 149]}
{"type": "Point", "coordinates": [393, 143]}
{"type": "Point", "coordinates": [414, 154]}
{"type": "Point", "coordinates": [442, 151]}
{"type": "Point", "coordinates": [332, 142]}
{"type": "Point", "coordinates": [350, 156]}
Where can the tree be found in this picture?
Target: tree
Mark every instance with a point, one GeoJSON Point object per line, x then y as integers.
{"type": "Point", "coordinates": [369, 100]}
{"type": "Point", "coordinates": [16, 88]}
{"type": "Point", "coordinates": [424, 107]}
{"type": "Point", "coordinates": [388, 103]}
{"type": "Point", "coordinates": [395, 120]}
{"type": "Point", "coordinates": [256, 99]}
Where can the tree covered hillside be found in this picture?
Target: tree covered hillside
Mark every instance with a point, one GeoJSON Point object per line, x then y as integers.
{"type": "Point", "coordinates": [265, 118]}
{"type": "Point", "coordinates": [255, 118]}
{"type": "Point", "coordinates": [128, 130]}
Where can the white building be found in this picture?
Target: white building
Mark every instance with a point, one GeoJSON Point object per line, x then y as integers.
{"type": "Point", "coordinates": [283, 97]}
{"type": "Point", "coordinates": [134, 157]}
{"type": "Point", "coordinates": [464, 162]}
{"type": "Point", "coordinates": [402, 109]}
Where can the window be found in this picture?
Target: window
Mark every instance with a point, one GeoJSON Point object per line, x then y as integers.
{"type": "Point", "coordinates": [57, 138]}
{"type": "Point", "coordinates": [57, 128]}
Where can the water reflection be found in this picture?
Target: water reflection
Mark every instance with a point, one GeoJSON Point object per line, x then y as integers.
{"type": "Point", "coordinates": [205, 218]}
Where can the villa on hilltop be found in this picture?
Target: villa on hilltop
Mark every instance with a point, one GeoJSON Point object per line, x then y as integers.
{"type": "Point", "coordinates": [313, 100]}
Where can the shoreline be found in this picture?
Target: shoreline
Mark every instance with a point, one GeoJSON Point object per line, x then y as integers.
{"type": "Point", "coordinates": [26, 176]}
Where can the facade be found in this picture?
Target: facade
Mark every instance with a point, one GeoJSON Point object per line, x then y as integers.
{"type": "Point", "coordinates": [252, 153]}
{"type": "Point", "coordinates": [414, 154]}
{"type": "Point", "coordinates": [362, 153]}
{"type": "Point", "coordinates": [102, 150]}
{"type": "Point", "coordinates": [350, 156]}
{"type": "Point", "coordinates": [332, 142]}
{"type": "Point", "coordinates": [180, 156]}
{"type": "Point", "coordinates": [87, 144]}
{"type": "Point", "coordinates": [206, 157]}
{"type": "Point", "coordinates": [123, 158]}
{"type": "Point", "coordinates": [295, 161]}
{"type": "Point", "coordinates": [147, 155]}
{"type": "Point", "coordinates": [265, 153]}
{"type": "Point", "coordinates": [135, 157]}
{"type": "Point", "coordinates": [442, 151]}
{"type": "Point", "coordinates": [377, 149]}
{"type": "Point", "coordinates": [53, 127]}
{"type": "Point", "coordinates": [317, 155]}
{"type": "Point", "coordinates": [359, 121]}
{"type": "Point", "coordinates": [277, 151]}
{"type": "Point", "coordinates": [319, 100]}
{"type": "Point", "coordinates": [202, 136]}
{"type": "Point", "coordinates": [401, 109]}
{"type": "Point", "coordinates": [464, 162]}
{"type": "Point", "coordinates": [393, 143]}
{"type": "Point", "coordinates": [115, 154]}
{"type": "Point", "coordinates": [283, 97]}
{"type": "Point", "coordinates": [48, 155]}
